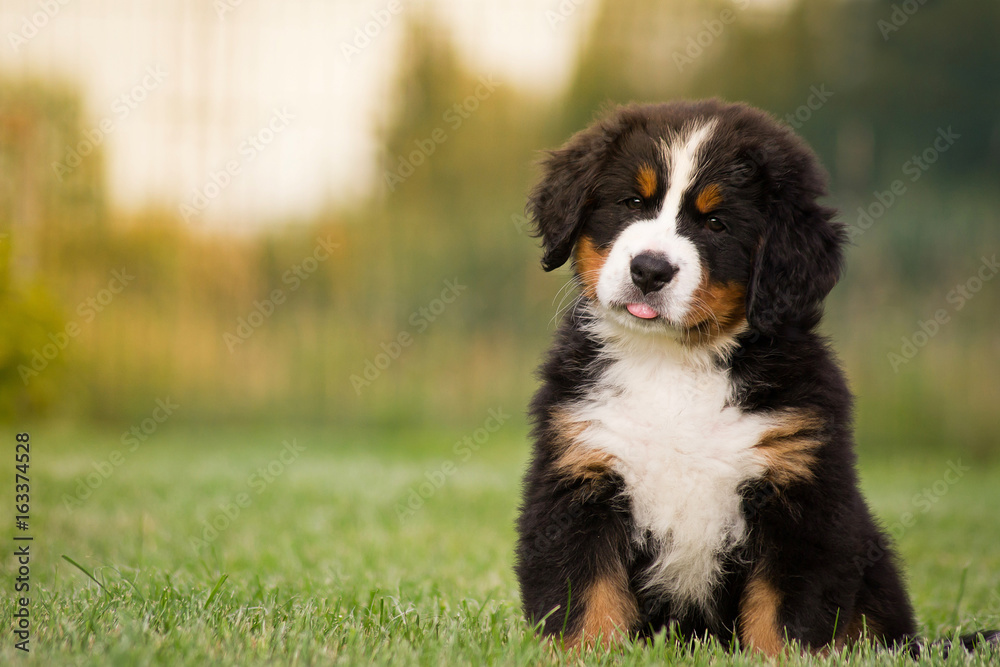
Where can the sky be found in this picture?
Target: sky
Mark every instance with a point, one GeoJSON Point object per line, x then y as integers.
{"type": "Point", "coordinates": [237, 114]}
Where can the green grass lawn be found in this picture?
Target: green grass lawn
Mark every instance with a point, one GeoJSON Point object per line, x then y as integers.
{"type": "Point", "coordinates": [316, 565]}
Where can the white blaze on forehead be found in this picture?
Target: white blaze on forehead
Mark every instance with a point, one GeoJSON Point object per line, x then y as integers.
{"type": "Point", "coordinates": [681, 154]}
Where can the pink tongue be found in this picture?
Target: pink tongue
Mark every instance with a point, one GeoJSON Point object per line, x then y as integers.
{"type": "Point", "coordinates": [642, 310]}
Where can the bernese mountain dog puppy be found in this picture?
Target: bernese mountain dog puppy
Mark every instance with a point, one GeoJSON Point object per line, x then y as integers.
{"type": "Point", "coordinates": [693, 464]}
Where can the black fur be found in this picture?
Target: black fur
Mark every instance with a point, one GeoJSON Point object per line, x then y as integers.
{"type": "Point", "coordinates": [813, 539]}
{"type": "Point", "coordinates": [559, 205]}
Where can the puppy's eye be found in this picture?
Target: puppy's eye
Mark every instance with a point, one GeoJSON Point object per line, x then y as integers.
{"type": "Point", "coordinates": [715, 224]}
{"type": "Point", "coordinates": [634, 203]}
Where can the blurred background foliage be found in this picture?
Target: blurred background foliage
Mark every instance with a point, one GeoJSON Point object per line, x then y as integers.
{"type": "Point", "coordinates": [458, 217]}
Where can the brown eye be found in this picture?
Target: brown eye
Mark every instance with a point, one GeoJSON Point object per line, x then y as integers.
{"type": "Point", "coordinates": [715, 224]}
{"type": "Point", "coordinates": [633, 203]}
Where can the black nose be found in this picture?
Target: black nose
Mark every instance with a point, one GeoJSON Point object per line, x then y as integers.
{"type": "Point", "coordinates": [651, 272]}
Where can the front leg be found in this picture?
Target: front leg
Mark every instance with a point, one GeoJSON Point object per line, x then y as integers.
{"type": "Point", "coordinates": [573, 552]}
{"type": "Point", "coordinates": [811, 579]}
{"type": "Point", "coordinates": [816, 609]}
{"type": "Point", "coordinates": [808, 584]}
{"type": "Point", "coordinates": [798, 549]}
{"type": "Point", "coordinates": [759, 625]}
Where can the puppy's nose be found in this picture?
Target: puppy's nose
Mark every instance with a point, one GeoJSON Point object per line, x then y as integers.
{"type": "Point", "coordinates": [651, 272]}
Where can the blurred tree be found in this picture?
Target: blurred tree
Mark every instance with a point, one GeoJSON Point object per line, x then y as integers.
{"type": "Point", "coordinates": [459, 155]}
{"type": "Point", "coordinates": [458, 148]}
{"type": "Point", "coordinates": [43, 205]}
{"type": "Point", "coordinates": [52, 190]}
{"type": "Point", "coordinates": [33, 342]}
{"type": "Point", "coordinates": [896, 72]}
{"type": "Point", "coordinates": [933, 65]}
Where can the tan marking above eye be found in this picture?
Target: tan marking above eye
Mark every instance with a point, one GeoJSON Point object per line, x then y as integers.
{"type": "Point", "coordinates": [709, 197]}
{"type": "Point", "coordinates": [646, 178]}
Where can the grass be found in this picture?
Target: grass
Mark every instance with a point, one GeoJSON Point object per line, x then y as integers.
{"type": "Point", "coordinates": [318, 568]}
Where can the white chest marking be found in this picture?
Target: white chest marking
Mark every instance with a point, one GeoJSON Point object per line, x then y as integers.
{"type": "Point", "coordinates": [682, 452]}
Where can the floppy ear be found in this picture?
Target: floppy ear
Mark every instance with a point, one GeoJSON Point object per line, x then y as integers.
{"type": "Point", "coordinates": [559, 204]}
{"type": "Point", "coordinates": [798, 262]}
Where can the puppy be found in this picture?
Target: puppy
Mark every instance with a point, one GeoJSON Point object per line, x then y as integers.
{"type": "Point", "coordinates": [693, 462]}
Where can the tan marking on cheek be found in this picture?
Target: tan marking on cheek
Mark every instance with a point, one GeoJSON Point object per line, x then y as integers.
{"type": "Point", "coordinates": [758, 620]}
{"type": "Point", "coordinates": [589, 262]}
{"type": "Point", "coordinates": [646, 178]}
{"type": "Point", "coordinates": [708, 198]}
{"type": "Point", "coordinates": [610, 610]}
{"type": "Point", "coordinates": [716, 309]}
{"type": "Point", "coordinates": [789, 447]}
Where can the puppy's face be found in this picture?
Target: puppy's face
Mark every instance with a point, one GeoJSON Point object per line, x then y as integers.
{"type": "Point", "coordinates": [669, 243]}
{"type": "Point", "coordinates": [695, 221]}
